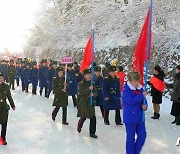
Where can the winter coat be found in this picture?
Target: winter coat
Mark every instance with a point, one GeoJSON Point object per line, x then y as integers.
{"type": "Point", "coordinates": [111, 89]}
{"type": "Point", "coordinates": [132, 99]}
{"type": "Point", "coordinates": [175, 97]}
{"type": "Point", "coordinates": [32, 76]}
{"type": "Point", "coordinates": [11, 72]}
{"type": "Point", "coordinates": [98, 83]}
{"type": "Point", "coordinates": [42, 76]}
{"type": "Point", "coordinates": [51, 73]}
{"type": "Point", "coordinates": [156, 94]}
{"type": "Point", "coordinates": [85, 110]}
{"type": "Point", "coordinates": [4, 107]}
{"type": "Point", "coordinates": [60, 97]}
{"type": "Point", "coordinates": [72, 83]}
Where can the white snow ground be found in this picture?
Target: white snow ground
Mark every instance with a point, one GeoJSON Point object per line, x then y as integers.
{"type": "Point", "coordinates": [31, 131]}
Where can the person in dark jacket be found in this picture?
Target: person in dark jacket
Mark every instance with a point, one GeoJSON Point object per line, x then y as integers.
{"type": "Point", "coordinates": [155, 93]}
{"type": "Point", "coordinates": [42, 77]}
{"type": "Point", "coordinates": [98, 79]}
{"type": "Point", "coordinates": [86, 109]}
{"type": "Point", "coordinates": [72, 83]}
{"type": "Point", "coordinates": [32, 77]}
{"type": "Point", "coordinates": [175, 97]}
{"type": "Point", "coordinates": [60, 95]}
{"type": "Point", "coordinates": [134, 104]}
{"type": "Point", "coordinates": [112, 95]}
{"type": "Point", "coordinates": [11, 72]}
{"type": "Point", "coordinates": [4, 107]}
{"type": "Point", "coordinates": [18, 69]}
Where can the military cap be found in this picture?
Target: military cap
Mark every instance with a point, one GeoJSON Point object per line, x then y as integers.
{"type": "Point", "coordinates": [59, 69]}
{"type": "Point", "coordinates": [54, 63]}
{"type": "Point", "coordinates": [97, 69]}
{"type": "Point", "coordinates": [44, 61]}
{"type": "Point", "coordinates": [112, 68]}
{"type": "Point", "coordinates": [86, 71]}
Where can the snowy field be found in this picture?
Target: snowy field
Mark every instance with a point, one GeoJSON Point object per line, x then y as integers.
{"type": "Point", "coordinates": [31, 131]}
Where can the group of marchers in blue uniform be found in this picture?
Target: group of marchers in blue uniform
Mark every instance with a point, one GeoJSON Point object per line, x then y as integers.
{"type": "Point", "coordinates": [105, 93]}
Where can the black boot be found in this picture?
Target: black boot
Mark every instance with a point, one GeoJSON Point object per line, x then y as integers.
{"type": "Point", "coordinates": [79, 129]}
{"type": "Point", "coordinates": [178, 121]}
{"type": "Point", "coordinates": [174, 120]}
{"type": "Point", "coordinates": [156, 116]}
{"type": "Point", "coordinates": [93, 136]}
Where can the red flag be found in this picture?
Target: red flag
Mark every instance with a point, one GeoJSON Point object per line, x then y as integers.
{"type": "Point", "coordinates": [87, 60]}
{"type": "Point", "coordinates": [158, 84]}
{"type": "Point", "coordinates": [140, 51]}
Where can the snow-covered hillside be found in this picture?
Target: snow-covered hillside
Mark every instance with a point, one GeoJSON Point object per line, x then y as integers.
{"type": "Point", "coordinates": [63, 27]}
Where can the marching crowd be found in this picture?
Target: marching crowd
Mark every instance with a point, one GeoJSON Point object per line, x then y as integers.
{"type": "Point", "coordinates": [109, 91]}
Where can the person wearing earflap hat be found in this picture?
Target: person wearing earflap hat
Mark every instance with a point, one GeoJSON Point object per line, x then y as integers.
{"type": "Point", "coordinates": [42, 77]}
{"type": "Point", "coordinates": [4, 108]}
{"type": "Point", "coordinates": [85, 109]}
{"type": "Point", "coordinates": [72, 83]}
{"type": "Point", "coordinates": [60, 95]}
{"type": "Point", "coordinates": [32, 77]}
{"type": "Point", "coordinates": [98, 79]}
{"type": "Point", "coordinates": [11, 72]}
{"type": "Point", "coordinates": [112, 95]}
{"type": "Point", "coordinates": [51, 73]}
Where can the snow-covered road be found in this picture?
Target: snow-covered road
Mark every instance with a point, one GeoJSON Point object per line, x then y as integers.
{"type": "Point", "coordinates": [31, 131]}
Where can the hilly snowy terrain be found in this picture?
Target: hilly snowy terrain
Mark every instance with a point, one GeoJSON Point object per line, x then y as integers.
{"type": "Point", "coordinates": [63, 28]}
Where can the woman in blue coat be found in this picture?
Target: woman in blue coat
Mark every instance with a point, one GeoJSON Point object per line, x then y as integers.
{"type": "Point", "coordinates": [133, 97]}
{"type": "Point", "coordinates": [72, 84]}
{"type": "Point", "coordinates": [32, 76]}
{"type": "Point", "coordinates": [42, 77]}
{"type": "Point", "coordinates": [111, 94]}
{"type": "Point", "coordinates": [98, 79]}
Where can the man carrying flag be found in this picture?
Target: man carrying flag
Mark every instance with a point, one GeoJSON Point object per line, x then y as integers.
{"type": "Point", "coordinates": [87, 92]}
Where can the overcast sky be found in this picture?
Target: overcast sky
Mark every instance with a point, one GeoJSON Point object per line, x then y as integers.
{"type": "Point", "coordinates": [16, 17]}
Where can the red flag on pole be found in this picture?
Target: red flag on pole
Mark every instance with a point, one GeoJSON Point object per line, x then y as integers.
{"type": "Point", "coordinates": [140, 51]}
{"type": "Point", "coordinates": [158, 84]}
{"type": "Point", "coordinates": [87, 59]}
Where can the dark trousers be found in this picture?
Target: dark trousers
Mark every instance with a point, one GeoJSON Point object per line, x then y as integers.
{"type": "Point", "coordinates": [41, 90]}
{"type": "Point", "coordinates": [48, 93]}
{"type": "Point", "coordinates": [74, 100]}
{"type": "Point", "coordinates": [3, 131]}
{"type": "Point", "coordinates": [26, 87]}
{"type": "Point", "coordinates": [17, 82]}
{"type": "Point", "coordinates": [117, 116]}
{"type": "Point", "coordinates": [92, 125]}
{"type": "Point", "coordinates": [11, 83]}
{"type": "Point", "coordinates": [23, 86]}
{"type": "Point", "coordinates": [102, 110]}
{"type": "Point", "coordinates": [64, 113]}
{"type": "Point", "coordinates": [34, 88]}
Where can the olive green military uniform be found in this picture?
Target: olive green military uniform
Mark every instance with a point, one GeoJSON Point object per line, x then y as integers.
{"type": "Point", "coordinates": [85, 109]}
{"type": "Point", "coordinates": [11, 71]}
{"type": "Point", "coordinates": [4, 107]}
{"type": "Point", "coordinates": [60, 98]}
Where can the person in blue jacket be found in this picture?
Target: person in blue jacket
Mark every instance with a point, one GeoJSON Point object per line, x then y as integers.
{"type": "Point", "coordinates": [18, 70]}
{"type": "Point", "coordinates": [24, 77]}
{"type": "Point", "coordinates": [42, 77]}
{"type": "Point", "coordinates": [51, 73]}
{"type": "Point", "coordinates": [71, 84]}
{"type": "Point", "coordinates": [32, 77]}
{"type": "Point", "coordinates": [112, 95]}
{"type": "Point", "coordinates": [134, 104]}
{"type": "Point", "coordinates": [98, 79]}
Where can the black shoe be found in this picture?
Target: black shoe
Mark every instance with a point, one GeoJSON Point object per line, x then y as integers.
{"type": "Point", "coordinates": [93, 136]}
{"type": "Point", "coordinates": [175, 120]}
{"type": "Point", "coordinates": [5, 143]}
{"type": "Point", "coordinates": [13, 88]}
{"type": "Point", "coordinates": [178, 121]}
{"type": "Point", "coordinates": [119, 124]}
{"type": "Point", "coordinates": [156, 116]}
{"type": "Point", "coordinates": [79, 130]}
{"type": "Point", "coordinates": [53, 118]}
{"type": "Point", "coordinates": [106, 122]}
{"type": "Point", "coordinates": [65, 123]}
{"type": "Point", "coordinates": [40, 94]}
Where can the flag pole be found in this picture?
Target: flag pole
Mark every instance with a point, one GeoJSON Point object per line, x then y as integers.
{"type": "Point", "coordinates": [92, 65]}
{"type": "Point", "coordinates": [148, 48]}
